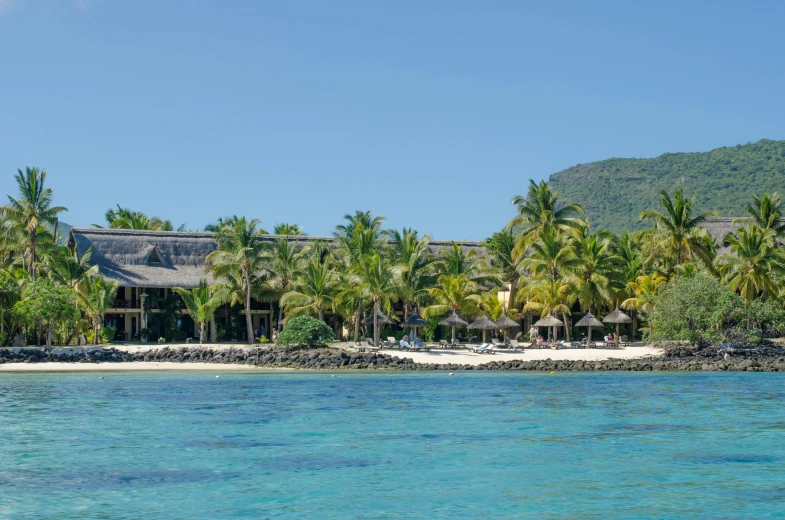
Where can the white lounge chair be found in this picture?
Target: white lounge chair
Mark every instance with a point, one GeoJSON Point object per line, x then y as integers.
{"type": "Point", "coordinates": [479, 349]}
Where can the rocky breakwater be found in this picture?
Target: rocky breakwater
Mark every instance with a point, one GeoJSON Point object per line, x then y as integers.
{"type": "Point", "coordinates": [677, 357]}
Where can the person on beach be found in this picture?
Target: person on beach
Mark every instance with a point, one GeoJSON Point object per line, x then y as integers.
{"type": "Point", "coordinates": [404, 343]}
{"type": "Point", "coordinates": [533, 334]}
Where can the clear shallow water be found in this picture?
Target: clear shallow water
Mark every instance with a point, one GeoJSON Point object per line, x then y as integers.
{"type": "Point", "coordinates": [400, 445]}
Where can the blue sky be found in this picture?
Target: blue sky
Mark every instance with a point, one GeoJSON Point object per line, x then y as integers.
{"type": "Point", "coordinates": [433, 114]}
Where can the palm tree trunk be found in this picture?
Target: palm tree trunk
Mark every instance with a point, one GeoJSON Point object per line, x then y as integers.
{"type": "Point", "coordinates": [280, 315]}
{"type": "Point", "coordinates": [321, 314]}
{"type": "Point", "coordinates": [566, 327]}
{"type": "Point", "coordinates": [96, 326]}
{"type": "Point", "coordinates": [248, 319]}
{"type": "Point", "coordinates": [376, 323]}
{"type": "Point", "coordinates": [201, 332]}
{"type": "Point", "coordinates": [32, 255]}
{"type": "Point", "coordinates": [49, 329]}
{"type": "Point", "coordinates": [357, 321]}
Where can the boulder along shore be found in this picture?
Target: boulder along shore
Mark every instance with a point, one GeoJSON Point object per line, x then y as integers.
{"type": "Point", "coordinates": [767, 358]}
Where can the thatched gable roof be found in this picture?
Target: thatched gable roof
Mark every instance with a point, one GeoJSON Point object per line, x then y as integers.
{"type": "Point", "coordinates": [123, 255]}
{"type": "Point", "coordinates": [718, 227]}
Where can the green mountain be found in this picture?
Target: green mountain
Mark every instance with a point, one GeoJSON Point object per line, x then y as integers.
{"type": "Point", "coordinates": [615, 191]}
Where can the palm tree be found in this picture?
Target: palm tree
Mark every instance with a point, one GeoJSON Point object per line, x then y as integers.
{"type": "Point", "coordinates": [378, 284]}
{"type": "Point", "coordinates": [239, 259]}
{"type": "Point", "coordinates": [539, 211]}
{"type": "Point", "coordinates": [31, 211]}
{"type": "Point", "coordinates": [597, 271]}
{"type": "Point", "coordinates": [548, 296]}
{"type": "Point", "coordinates": [314, 289]}
{"type": "Point", "coordinates": [754, 263]}
{"type": "Point", "coordinates": [65, 267]}
{"type": "Point", "coordinates": [416, 267]}
{"type": "Point", "coordinates": [287, 229]}
{"type": "Point", "coordinates": [96, 295]}
{"type": "Point", "coordinates": [283, 259]}
{"type": "Point", "coordinates": [358, 239]}
{"type": "Point", "coordinates": [125, 218]}
{"type": "Point", "coordinates": [453, 293]}
{"type": "Point", "coordinates": [677, 236]}
{"type": "Point", "coordinates": [501, 250]}
{"type": "Point", "coordinates": [201, 303]}
{"type": "Point", "coordinates": [643, 290]}
{"type": "Point", "coordinates": [221, 222]}
{"type": "Point", "coordinates": [766, 212]}
{"type": "Point", "coordinates": [456, 260]}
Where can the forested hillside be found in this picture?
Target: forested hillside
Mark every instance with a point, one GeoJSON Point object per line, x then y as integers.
{"type": "Point", "coordinates": [615, 191]}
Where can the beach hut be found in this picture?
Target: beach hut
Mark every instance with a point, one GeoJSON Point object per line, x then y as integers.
{"type": "Point", "coordinates": [549, 321]}
{"type": "Point", "coordinates": [453, 321]}
{"type": "Point", "coordinates": [414, 321]}
{"type": "Point", "coordinates": [589, 321]}
{"type": "Point", "coordinates": [617, 317]}
{"type": "Point", "coordinates": [483, 323]}
{"type": "Point", "coordinates": [506, 323]}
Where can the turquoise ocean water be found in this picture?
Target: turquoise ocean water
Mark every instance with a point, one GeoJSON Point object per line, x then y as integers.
{"type": "Point", "coordinates": [397, 445]}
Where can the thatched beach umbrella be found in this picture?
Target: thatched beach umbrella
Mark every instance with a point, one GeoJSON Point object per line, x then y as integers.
{"type": "Point", "coordinates": [414, 321]}
{"type": "Point", "coordinates": [505, 323]}
{"type": "Point", "coordinates": [617, 317]}
{"type": "Point", "coordinates": [453, 321]}
{"type": "Point", "coordinates": [483, 323]}
{"type": "Point", "coordinates": [549, 321]}
{"type": "Point", "coordinates": [381, 319]}
{"type": "Point", "coordinates": [589, 321]}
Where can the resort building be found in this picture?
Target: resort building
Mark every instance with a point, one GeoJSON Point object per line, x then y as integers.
{"type": "Point", "coordinates": [148, 264]}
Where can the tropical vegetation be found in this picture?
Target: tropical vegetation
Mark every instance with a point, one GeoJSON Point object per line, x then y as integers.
{"type": "Point", "coordinates": [671, 276]}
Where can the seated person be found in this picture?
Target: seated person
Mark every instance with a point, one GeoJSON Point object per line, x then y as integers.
{"type": "Point", "coordinates": [418, 343]}
{"type": "Point", "coordinates": [404, 343]}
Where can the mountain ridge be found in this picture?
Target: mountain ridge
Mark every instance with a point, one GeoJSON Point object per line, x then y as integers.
{"type": "Point", "coordinates": [615, 191]}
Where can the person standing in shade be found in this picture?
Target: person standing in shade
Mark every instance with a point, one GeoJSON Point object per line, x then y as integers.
{"type": "Point", "coordinates": [262, 331]}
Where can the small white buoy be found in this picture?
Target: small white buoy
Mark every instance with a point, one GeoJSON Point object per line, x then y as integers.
{"type": "Point", "coordinates": [452, 374]}
{"type": "Point", "coordinates": [333, 375]}
{"type": "Point", "coordinates": [101, 377]}
{"type": "Point", "coordinates": [217, 377]}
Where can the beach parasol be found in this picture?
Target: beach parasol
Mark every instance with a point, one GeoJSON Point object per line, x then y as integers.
{"type": "Point", "coordinates": [381, 319]}
{"type": "Point", "coordinates": [617, 317]}
{"type": "Point", "coordinates": [589, 321]}
{"type": "Point", "coordinates": [505, 323]}
{"type": "Point", "coordinates": [483, 323]}
{"type": "Point", "coordinates": [414, 321]}
{"type": "Point", "coordinates": [453, 321]}
{"type": "Point", "coordinates": [549, 321]}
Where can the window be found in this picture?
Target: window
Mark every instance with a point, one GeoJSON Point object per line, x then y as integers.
{"type": "Point", "coordinates": [154, 258]}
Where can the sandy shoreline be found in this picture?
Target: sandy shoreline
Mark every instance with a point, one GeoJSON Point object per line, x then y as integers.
{"type": "Point", "coordinates": [435, 356]}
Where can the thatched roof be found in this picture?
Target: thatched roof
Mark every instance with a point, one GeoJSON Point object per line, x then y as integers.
{"type": "Point", "coordinates": [454, 321]}
{"type": "Point", "coordinates": [415, 320]}
{"type": "Point", "coordinates": [483, 323]}
{"type": "Point", "coordinates": [549, 321]}
{"type": "Point", "coordinates": [505, 322]}
{"type": "Point", "coordinates": [123, 255]}
{"type": "Point", "coordinates": [135, 258]}
{"type": "Point", "coordinates": [589, 321]}
{"type": "Point", "coordinates": [381, 319]}
{"type": "Point", "coordinates": [718, 228]}
{"type": "Point", "coordinates": [617, 316]}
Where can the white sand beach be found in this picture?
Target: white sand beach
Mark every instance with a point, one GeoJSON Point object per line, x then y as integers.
{"type": "Point", "coordinates": [465, 357]}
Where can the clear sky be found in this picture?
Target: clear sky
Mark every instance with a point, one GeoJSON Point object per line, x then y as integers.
{"type": "Point", "coordinates": [433, 114]}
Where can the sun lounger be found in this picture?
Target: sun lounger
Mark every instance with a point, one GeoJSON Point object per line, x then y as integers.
{"type": "Point", "coordinates": [515, 345]}
{"type": "Point", "coordinates": [443, 343]}
{"type": "Point", "coordinates": [479, 349]}
{"type": "Point", "coordinates": [390, 342]}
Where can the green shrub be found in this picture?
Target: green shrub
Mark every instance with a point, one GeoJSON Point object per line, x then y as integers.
{"type": "Point", "coordinates": [306, 331]}
{"type": "Point", "coordinates": [107, 334]}
{"type": "Point", "coordinates": [3, 337]}
{"type": "Point", "coordinates": [695, 309]}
